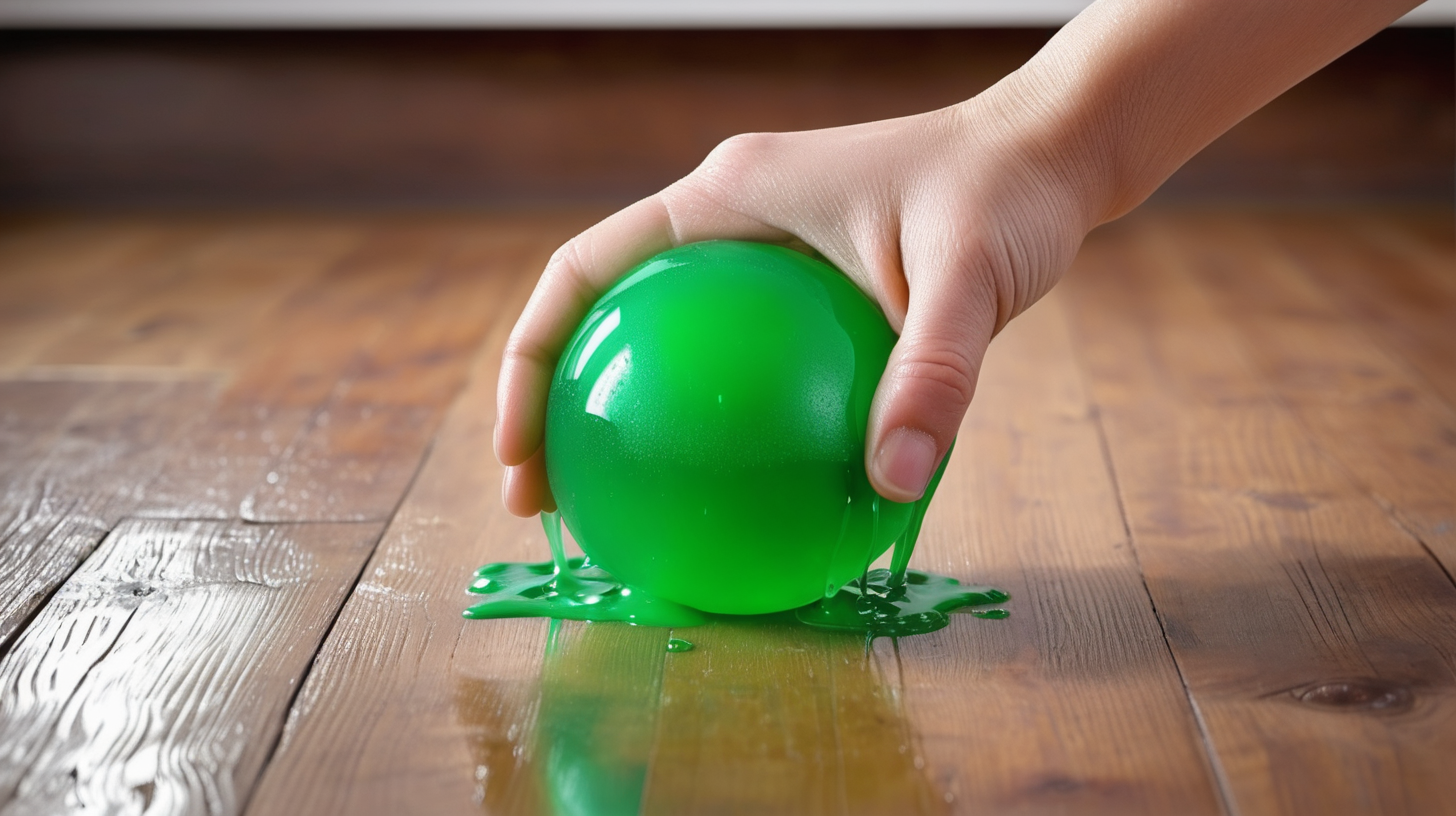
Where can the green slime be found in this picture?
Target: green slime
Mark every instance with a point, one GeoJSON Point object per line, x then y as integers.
{"type": "Point", "coordinates": [897, 602]}
{"type": "Point", "coordinates": [570, 589]}
{"type": "Point", "coordinates": [705, 429]}
{"type": "Point", "coordinates": [705, 444]}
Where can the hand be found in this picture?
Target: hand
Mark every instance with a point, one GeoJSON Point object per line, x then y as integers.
{"type": "Point", "coordinates": [949, 220]}
{"type": "Point", "coordinates": [954, 221]}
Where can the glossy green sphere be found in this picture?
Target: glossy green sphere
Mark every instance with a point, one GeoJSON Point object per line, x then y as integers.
{"type": "Point", "coordinates": [705, 429]}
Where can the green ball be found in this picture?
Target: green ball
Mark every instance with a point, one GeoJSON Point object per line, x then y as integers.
{"type": "Point", "coordinates": [705, 429]}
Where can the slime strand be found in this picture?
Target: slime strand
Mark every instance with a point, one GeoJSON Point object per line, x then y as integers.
{"type": "Point", "coordinates": [551, 523]}
{"type": "Point", "coordinates": [905, 544]}
{"type": "Point", "coordinates": [704, 437]}
{"type": "Point", "coordinates": [569, 588]}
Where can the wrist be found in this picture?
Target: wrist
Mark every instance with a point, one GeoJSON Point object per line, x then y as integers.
{"type": "Point", "coordinates": [1052, 138]}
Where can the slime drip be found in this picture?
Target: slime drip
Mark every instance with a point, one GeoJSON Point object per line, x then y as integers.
{"type": "Point", "coordinates": [571, 589]}
{"type": "Point", "coordinates": [705, 443]}
{"type": "Point", "coordinates": [897, 602]}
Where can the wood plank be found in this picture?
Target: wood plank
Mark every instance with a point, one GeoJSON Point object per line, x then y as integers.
{"type": "Point", "coordinates": [590, 734]}
{"type": "Point", "coordinates": [1406, 306]}
{"type": "Point", "coordinates": [32, 414]}
{"type": "Point", "coordinates": [353, 746]}
{"type": "Point", "coordinates": [62, 493]}
{"type": "Point", "coordinates": [304, 350]}
{"type": "Point", "coordinates": [1339, 384]}
{"type": "Point", "coordinates": [391, 718]}
{"type": "Point", "coordinates": [1073, 704]}
{"type": "Point", "coordinates": [159, 676]}
{"type": "Point", "coordinates": [355, 457]}
{"type": "Point", "coordinates": [52, 272]}
{"type": "Point", "coordinates": [771, 717]}
{"type": "Point", "coordinates": [1317, 638]}
{"type": "Point", "coordinates": [207, 313]}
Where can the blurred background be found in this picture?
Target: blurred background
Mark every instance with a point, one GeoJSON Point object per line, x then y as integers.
{"type": "Point", "coordinates": [449, 103]}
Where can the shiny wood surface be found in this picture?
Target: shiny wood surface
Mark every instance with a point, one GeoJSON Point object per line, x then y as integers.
{"type": "Point", "coordinates": [245, 476]}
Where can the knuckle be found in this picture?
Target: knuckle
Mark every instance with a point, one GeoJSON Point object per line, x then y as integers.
{"type": "Point", "coordinates": [567, 259]}
{"type": "Point", "coordinates": [947, 376]}
{"type": "Point", "coordinates": [519, 349]}
{"type": "Point", "coordinates": [738, 154]}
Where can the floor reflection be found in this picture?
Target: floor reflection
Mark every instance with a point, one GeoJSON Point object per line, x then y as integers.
{"type": "Point", "coordinates": [761, 716]}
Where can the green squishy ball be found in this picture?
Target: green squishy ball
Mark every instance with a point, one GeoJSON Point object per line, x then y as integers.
{"type": "Point", "coordinates": [705, 429]}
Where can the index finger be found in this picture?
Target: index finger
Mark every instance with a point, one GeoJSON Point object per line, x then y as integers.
{"type": "Point", "coordinates": [577, 274]}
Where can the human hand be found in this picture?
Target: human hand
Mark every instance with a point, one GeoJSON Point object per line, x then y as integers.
{"type": "Point", "coordinates": [954, 221]}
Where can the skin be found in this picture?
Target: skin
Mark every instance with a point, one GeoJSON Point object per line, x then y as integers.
{"type": "Point", "coordinates": [956, 220]}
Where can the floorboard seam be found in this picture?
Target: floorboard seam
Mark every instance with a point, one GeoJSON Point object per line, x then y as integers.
{"type": "Point", "coordinates": [264, 523]}
{"type": "Point", "coordinates": [384, 529]}
{"type": "Point", "coordinates": [6, 644]}
{"type": "Point", "coordinates": [1394, 513]}
{"type": "Point", "coordinates": [386, 523]}
{"type": "Point", "coordinates": [1222, 786]}
{"type": "Point", "coordinates": [1221, 781]}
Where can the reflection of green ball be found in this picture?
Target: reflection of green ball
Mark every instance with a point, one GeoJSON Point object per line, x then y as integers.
{"type": "Point", "coordinates": [705, 429]}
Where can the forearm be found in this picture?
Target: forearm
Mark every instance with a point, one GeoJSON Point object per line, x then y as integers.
{"type": "Point", "coordinates": [1127, 92]}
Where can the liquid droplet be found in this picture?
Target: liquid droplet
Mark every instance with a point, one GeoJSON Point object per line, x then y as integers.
{"type": "Point", "coordinates": [679, 645]}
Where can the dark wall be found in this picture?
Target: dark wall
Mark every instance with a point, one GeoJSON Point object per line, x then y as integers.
{"type": "Point", "coordinates": [402, 118]}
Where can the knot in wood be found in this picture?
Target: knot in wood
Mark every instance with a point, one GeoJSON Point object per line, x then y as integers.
{"type": "Point", "coordinates": [136, 589]}
{"type": "Point", "coordinates": [1362, 694]}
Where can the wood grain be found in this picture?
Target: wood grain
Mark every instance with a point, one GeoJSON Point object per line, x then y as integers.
{"type": "Point", "coordinates": [158, 676]}
{"type": "Point", "coordinates": [1317, 638]}
{"type": "Point", "coordinates": [1024, 713]}
{"type": "Point", "coordinates": [204, 307]}
{"type": "Point", "coordinates": [405, 695]}
{"type": "Point", "coordinates": [58, 272]}
{"type": "Point", "coordinates": [1213, 469]}
{"type": "Point", "coordinates": [1405, 305]}
{"type": "Point", "coordinates": [300, 356]}
{"type": "Point", "coordinates": [356, 454]}
{"type": "Point", "coordinates": [66, 485]}
{"type": "Point", "coordinates": [1338, 382]}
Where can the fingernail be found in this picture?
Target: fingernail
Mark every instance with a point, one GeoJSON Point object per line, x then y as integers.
{"type": "Point", "coordinates": [905, 462]}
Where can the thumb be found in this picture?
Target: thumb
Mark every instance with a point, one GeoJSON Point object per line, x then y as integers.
{"type": "Point", "coordinates": [929, 381]}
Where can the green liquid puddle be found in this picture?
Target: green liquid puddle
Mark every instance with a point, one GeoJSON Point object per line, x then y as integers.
{"type": "Point", "coordinates": [922, 603]}
{"type": "Point", "coordinates": [897, 602]}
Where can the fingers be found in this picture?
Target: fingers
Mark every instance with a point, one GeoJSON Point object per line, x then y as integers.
{"type": "Point", "coordinates": [525, 490]}
{"type": "Point", "coordinates": [577, 274]}
{"type": "Point", "coordinates": [574, 277]}
{"type": "Point", "coordinates": [929, 380]}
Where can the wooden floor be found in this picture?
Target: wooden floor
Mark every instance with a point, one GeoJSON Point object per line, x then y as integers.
{"type": "Point", "coordinates": [245, 475]}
